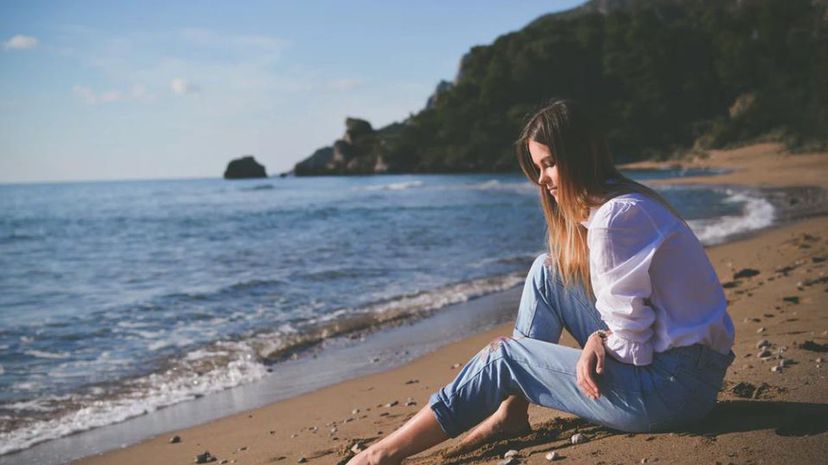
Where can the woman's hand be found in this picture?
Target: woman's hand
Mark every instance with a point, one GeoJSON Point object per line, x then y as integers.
{"type": "Point", "coordinates": [591, 364]}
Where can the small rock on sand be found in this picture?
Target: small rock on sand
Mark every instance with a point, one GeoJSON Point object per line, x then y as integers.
{"type": "Point", "coordinates": [550, 456]}
{"type": "Point", "coordinates": [301, 460]}
{"type": "Point", "coordinates": [205, 457]}
{"type": "Point", "coordinates": [760, 330]}
{"type": "Point", "coordinates": [510, 453]}
{"type": "Point", "coordinates": [776, 369]}
{"type": "Point", "coordinates": [175, 439]}
{"type": "Point", "coordinates": [762, 343]}
{"type": "Point", "coordinates": [456, 365]}
{"type": "Point", "coordinates": [578, 438]}
{"type": "Point", "coordinates": [392, 403]}
{"type": "Point", "coordinates": [745, 273]}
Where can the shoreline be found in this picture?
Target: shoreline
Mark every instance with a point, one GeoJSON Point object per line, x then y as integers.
{"type": "Point", "coordinates": [811, 196]}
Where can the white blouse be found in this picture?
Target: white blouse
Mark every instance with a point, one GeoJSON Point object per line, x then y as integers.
{"type": "Point", "coordinates": [655, 288]}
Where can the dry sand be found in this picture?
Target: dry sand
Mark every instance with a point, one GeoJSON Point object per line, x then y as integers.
{"type": "Point", "coordinates": [763, 417]}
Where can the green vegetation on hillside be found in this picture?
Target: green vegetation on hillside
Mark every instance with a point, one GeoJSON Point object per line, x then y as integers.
{"type": "Point", "coordinates": [661, 76]}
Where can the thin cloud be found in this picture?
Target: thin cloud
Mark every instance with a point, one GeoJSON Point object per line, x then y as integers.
{"type": "Point", "coordinates": [20, 42]}
{"type": "Point", "coordinates": [181, 86]}
{"type": "Point", "coordinates": [137, 93]}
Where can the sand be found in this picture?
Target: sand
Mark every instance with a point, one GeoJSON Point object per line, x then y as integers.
{"type": "Point", "coordinates": [763, 417]}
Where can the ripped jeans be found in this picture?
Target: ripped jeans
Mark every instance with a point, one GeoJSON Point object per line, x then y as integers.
{"type": "Point", "coordinates": [678, 388]}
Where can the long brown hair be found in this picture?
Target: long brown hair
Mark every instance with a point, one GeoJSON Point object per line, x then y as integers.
{"type": "Point", "coordinates": [587, 177]}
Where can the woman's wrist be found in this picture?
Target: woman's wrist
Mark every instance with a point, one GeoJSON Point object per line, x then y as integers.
{"type": "Point", "coordinates": [603, 334]}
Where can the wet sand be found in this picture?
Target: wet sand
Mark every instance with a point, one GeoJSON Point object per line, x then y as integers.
{"type": "Point", "coordinates": [777, 286]}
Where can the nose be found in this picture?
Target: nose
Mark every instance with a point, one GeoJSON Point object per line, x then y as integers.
{"type": "Point", "coordinates": [542, 178]}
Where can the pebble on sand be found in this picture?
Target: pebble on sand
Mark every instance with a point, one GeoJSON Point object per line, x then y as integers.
{"type": "Point", "coordinates": [578, 438]}
{"type": "Point", "coordinates": [175, 439]}
{"type": "Point", "coordinates": [301, 459]}
{"type": "Point", "coordinates": [205, 457]}
{"type": "Point", "coordinates": [776, 369]}
{"type": "Point", "coordinates": [510, 453]}
{"type": "Point", "coordinates": [762, 343]}
{"type": "Point", "coordinates": [760, 330]}
{"type": "Point", "coordinates": [392, 403]}
{"type": "Point", "coordinates": [550, 456]}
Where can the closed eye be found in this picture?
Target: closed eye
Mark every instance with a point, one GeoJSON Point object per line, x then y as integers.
{"type": "Point", "coordinates": [547, 162]}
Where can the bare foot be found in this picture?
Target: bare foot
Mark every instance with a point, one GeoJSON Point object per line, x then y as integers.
{"type": "Point", "coordinates": [371, 456]}
{"type": "Point", "coordinates": [510, 420]}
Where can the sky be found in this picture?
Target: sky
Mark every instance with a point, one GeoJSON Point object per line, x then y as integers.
{"type": "Point", "coordinates": [105, 90]}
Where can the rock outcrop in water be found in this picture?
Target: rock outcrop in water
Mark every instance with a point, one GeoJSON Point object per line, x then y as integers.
{"type": "Point", "coordinates": [244, 168]}
{"type": "Point", "coordinates": [357, 152]}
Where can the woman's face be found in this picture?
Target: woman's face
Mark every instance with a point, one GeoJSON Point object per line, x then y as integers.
{"type": "Point", "coordinates": [545, 163]}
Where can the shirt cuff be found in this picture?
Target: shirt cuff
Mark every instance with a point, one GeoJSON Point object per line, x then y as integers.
{"type": "Point", "coordinates": [635, 353]}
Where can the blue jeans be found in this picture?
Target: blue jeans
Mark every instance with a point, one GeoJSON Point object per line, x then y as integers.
{"type": "Point", "coordinates": [679, 387]}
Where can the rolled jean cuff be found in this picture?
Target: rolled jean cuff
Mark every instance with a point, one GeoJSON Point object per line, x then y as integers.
{"type": "Point", "coordinates": [444, 415]}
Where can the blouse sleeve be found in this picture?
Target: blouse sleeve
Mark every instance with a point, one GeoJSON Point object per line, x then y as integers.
{"type": "Point", "coordinates": [621, 249]}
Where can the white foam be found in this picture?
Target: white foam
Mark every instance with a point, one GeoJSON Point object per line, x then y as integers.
{"type": "Point", "coordinates": [186, 381]}
{"type": "Point", "coordinates": [395, 186]}
{"type": "Point", "coordinates": [757, 213]}
{"type": "Point", "coordinates": [524, 187]}
{"type": "Point", "coordinates": [37, 405]}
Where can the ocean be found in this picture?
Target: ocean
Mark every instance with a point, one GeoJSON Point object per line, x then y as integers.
{"type": "Point", "coordinates": [121, 298]}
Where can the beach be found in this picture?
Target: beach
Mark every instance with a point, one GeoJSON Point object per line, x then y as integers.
{"type": "Point", "coordinates": [777, 288]}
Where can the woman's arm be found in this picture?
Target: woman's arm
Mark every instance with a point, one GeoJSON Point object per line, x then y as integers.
{"type": "Point", "coordinates": [621, 249]}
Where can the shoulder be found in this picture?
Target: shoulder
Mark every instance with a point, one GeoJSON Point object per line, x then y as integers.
{"type": "Point", "coordinates": [633, 211]}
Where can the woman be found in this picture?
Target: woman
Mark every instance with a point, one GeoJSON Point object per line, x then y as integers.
{"type": "Point", "coordinates": [624, 275]}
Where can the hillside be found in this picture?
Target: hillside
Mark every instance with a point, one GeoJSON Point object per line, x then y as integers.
{"type": "Point", "coordinates": [662, 77]}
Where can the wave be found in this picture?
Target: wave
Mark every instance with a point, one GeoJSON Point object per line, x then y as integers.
{"type": "Point", "coordinates": [522, 187]}
{"type": "Point", "coordinates": [395, 186]}
{"type": "Point", "coordinates": [218, 366]}
{"type": "Point", "coordinates": [45, 354]}
{"type": "Point", "coordinates": [757, 213]}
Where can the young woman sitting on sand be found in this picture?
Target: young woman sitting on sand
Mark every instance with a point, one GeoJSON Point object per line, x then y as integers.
{"type": "Point", "coordinates": [624, 275]}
